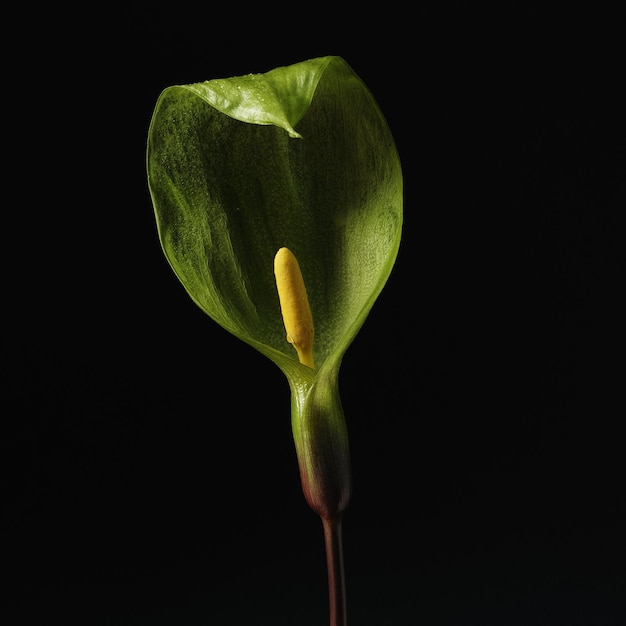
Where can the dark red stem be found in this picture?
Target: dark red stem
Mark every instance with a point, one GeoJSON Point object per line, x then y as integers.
{"type": "Point", "coordinates": [336, 576]}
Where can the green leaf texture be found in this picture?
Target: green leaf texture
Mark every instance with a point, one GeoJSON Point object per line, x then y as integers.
{"type": "Point", "coordinates": [301, 157]}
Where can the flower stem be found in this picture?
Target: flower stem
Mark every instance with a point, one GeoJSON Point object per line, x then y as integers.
{"type": "Point", "coordinates": [336, 576]}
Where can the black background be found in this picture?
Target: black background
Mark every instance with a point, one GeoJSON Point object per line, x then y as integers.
{"type": "Point", "coordinates": [149, 473]}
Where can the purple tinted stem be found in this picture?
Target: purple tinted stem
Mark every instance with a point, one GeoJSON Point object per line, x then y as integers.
{"type": "Point", "coordinates": [336, 576]}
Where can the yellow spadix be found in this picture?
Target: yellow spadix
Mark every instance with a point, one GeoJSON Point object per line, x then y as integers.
{"type": "Point", "coordinates": [294, 305]}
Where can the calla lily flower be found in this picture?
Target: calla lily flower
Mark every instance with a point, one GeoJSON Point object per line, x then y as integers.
{"type": "Point", "coordinates": [298, 158]}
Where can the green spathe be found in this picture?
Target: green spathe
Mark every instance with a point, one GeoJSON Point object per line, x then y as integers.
{"type": "Point", "coordinates": [301, 157]}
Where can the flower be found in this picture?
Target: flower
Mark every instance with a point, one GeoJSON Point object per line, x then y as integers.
{"type": "Point", "coordinates": [233, 182]}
